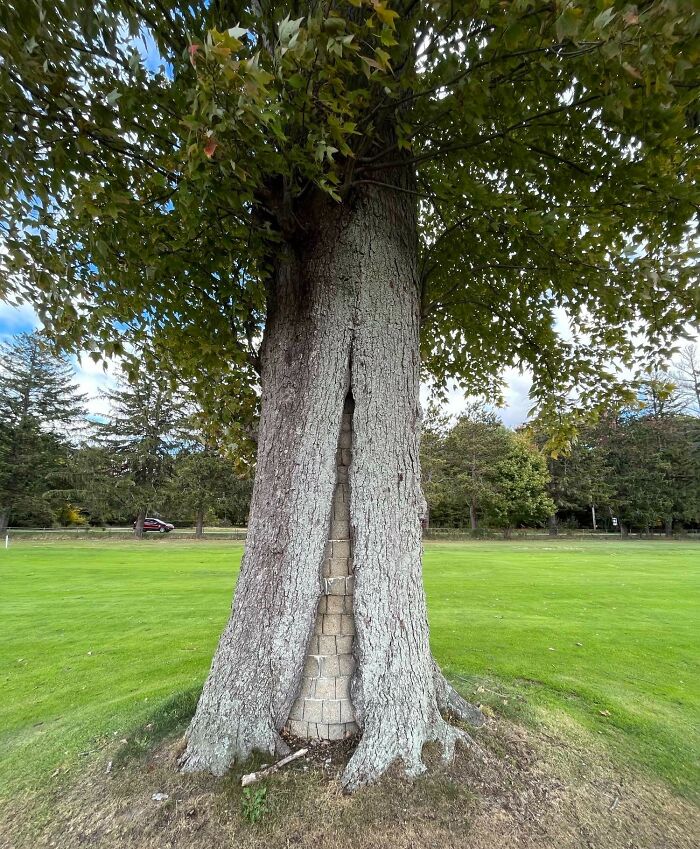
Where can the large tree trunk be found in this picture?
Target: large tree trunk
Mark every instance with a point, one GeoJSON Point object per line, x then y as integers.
{"type": "Point", "coordinates": [199, 523]}
{"type": "Point", "coordinates": [4, 520]}
{"type": "Point", "coordinates": [342, 318]}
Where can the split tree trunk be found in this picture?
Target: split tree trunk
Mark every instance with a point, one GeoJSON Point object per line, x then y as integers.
{"type": "Point", "coordinates": [343, 317]}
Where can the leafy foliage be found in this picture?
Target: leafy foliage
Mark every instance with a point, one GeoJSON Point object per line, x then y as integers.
{"type": "Point", "coordinates": [640, 464]}
{"type": "Point", "coordinates": [553, 148]}
{"type": "Point", "coordinates": [479, 470]}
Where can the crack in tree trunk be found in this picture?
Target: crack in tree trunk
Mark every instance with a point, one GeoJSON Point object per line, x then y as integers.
{"type": "Point", "coordinates": [343, 315]}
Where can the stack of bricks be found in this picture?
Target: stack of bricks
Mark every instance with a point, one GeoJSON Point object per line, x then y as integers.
{"type": "Point", "coordinates": [323, 709]}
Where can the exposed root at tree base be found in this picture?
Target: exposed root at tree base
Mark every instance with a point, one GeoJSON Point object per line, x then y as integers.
{"type": "Point", "coordinates": [215, 752]}
{"type": "Point", "coordinates": [527, 791]}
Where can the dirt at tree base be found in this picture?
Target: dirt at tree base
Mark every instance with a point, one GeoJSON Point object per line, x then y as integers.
{"type": "Point", "coordinates": [526, 789]}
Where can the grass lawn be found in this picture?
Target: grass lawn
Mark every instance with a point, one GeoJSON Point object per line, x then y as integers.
{"type": "Point", "coordinates": [96, 636]}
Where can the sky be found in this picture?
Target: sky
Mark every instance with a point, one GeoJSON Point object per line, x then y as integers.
{"type": "Point", "coordinates": [91, 377]}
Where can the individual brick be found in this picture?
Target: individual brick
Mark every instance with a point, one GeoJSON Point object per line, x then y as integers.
{"type": "Point", "coordinates": [346, 664]}
{"type": "Point", "coordinates": [335, 604]}
{"type": "Point", "coordinates": [331, 623]}
{"type": "Point", "coordinates": [318, 624]}
{"type": "Point", "coordinates": [342, 493]}
{"type": "Point", "coordinates": [346, 424]}
{"type": "Point", "coordinates": [347, 605]}
{"type": "Point", "coordinates": [313, 642]}
{"type": "Point", "coordinates": [325, 689]}
{"type": "Point", "coordinates": [321, 731]}
{"type": "Point", "coordinates": [299, 729]}
{"type": "Point", "coordinates": [342, 474]}
{"type": "Point", "coordinates": [343, 645]}
{"type": "Point", "coordinates": [327, 645]}
{"type": "Point", "coordinates": [350, 585]}
{"type": "Point", "coordinates": [330, 667]}
{"type": "Point", "coordinates": [341, 511]}
{"type": "Point", "coordinates": [313, 710]}
{"type": "Point", "coordinates": [347, 625]}
{"type": "Point", "coordinates": [331, 711]}
{"type": "Point", "coordinates": [351, 728]}
{"type": "Point", "coordinates": [342, 687]}
{"type": "Point", "coordinates": [311, 667]}
{"type": "Point", "coordinates": [347, 714]}
{"type": "Point", "coordinates": [345, 456]}
{"type": "Point", "coordinates": [338, 567]}
{"type": "Point", "coordinates": [339, 458]}
{"type": "Point", "coordinates": [340, 548]}
{"type": "Point", "coordinates": [345, 439]}
{"type": "Point", "coordinates": [308, 687]}
{"type": "Point", "coordinates": [340, 530]}
{"type": "Point", "coordinates": [335, 586]}
{"type": "Point", "coordinates": [322, 605]}
{"type": "Point", "coordinates": [336, 731]}
{"type": "Point", "coordinates": [297, 711]}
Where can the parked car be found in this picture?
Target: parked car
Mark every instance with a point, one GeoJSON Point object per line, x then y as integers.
{"type": "Point", "coordinates": [157, 525]}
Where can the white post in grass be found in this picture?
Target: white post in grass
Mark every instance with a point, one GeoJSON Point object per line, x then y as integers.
{"type": "Point", "coordinates": [7, 540]}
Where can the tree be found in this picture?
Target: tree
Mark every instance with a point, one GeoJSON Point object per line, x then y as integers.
{"type": "Point", "coordinates": [687, 377]}
{"type": "Point", "coordinates": [654, 460]}
{"type": "Point", "coordinates": [355, 177]}
{"type": "Point", "coordinates": [143, 433]}
{"type": "Point", "coordinates": [579, 474]}
{"type": "Point", "coordinates": [463, 462]}
{"type": "Point", "coordinates": [203, 480]}
{"type": "Point", "coordinates": [518, 494]}
{"type": "Point", "coordinates": [39, 404]}
{"type": "Point", "coordinates": [98, 485]}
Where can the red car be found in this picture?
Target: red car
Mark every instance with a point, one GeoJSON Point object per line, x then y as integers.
{"type": "Point", "coordinates": [157, 525]}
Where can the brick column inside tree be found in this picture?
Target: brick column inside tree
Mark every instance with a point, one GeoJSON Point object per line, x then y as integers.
{"type": "Point", "coordinates": [323, 709]}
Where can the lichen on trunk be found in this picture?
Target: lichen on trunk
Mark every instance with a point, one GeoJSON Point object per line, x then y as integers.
{"type": "Point", "coordinates": [343, 316]}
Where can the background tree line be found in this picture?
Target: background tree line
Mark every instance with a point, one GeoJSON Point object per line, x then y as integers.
{"type": "Point", "coordinates": [151, 455]}
{"type": "Point", "coordinates": [637, 468]}
{"type": "Point", "coordinates": [156, 453]}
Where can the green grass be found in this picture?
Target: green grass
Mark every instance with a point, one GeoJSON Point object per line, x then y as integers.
{"type": "Point", "coordinates": [98, 638]}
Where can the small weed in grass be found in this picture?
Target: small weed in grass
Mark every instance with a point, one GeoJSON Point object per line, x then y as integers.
{"type": "Point", "coordinates": [254, 803]}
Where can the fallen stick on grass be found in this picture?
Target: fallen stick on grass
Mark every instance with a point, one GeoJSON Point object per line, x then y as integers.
{"type": "Point", "coordinates": [252, 777]}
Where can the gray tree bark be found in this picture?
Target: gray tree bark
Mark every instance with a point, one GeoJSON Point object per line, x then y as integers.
{"type": "Point", "coordinates": [343, 317]}
{"type": "Point", "coordinates": [140, 518]}
{"type": "Point", "coordinates": [199, 523]}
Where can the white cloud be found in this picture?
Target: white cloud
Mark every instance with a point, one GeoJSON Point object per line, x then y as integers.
{"type": "Point", "coordinates": [16, 320]}
{"type": "Point", "coordinates": [92, 380]}
{"type": "Point", "coordinates": [515, 393]}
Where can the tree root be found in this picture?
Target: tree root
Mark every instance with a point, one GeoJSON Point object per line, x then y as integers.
{"type": "Point", "coordinates": [212, 747]}
{"type": "Point", "coordinates": [450, 701]}
{"type": "Point", "coordinates": [375, 754]}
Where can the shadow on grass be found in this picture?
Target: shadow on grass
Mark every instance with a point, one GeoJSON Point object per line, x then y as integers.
{"type": "Point", "coordinates": [169, 717]}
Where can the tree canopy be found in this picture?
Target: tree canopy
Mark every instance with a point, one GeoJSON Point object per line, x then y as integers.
{"type": "Point", "coordinates": [554, 147]}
